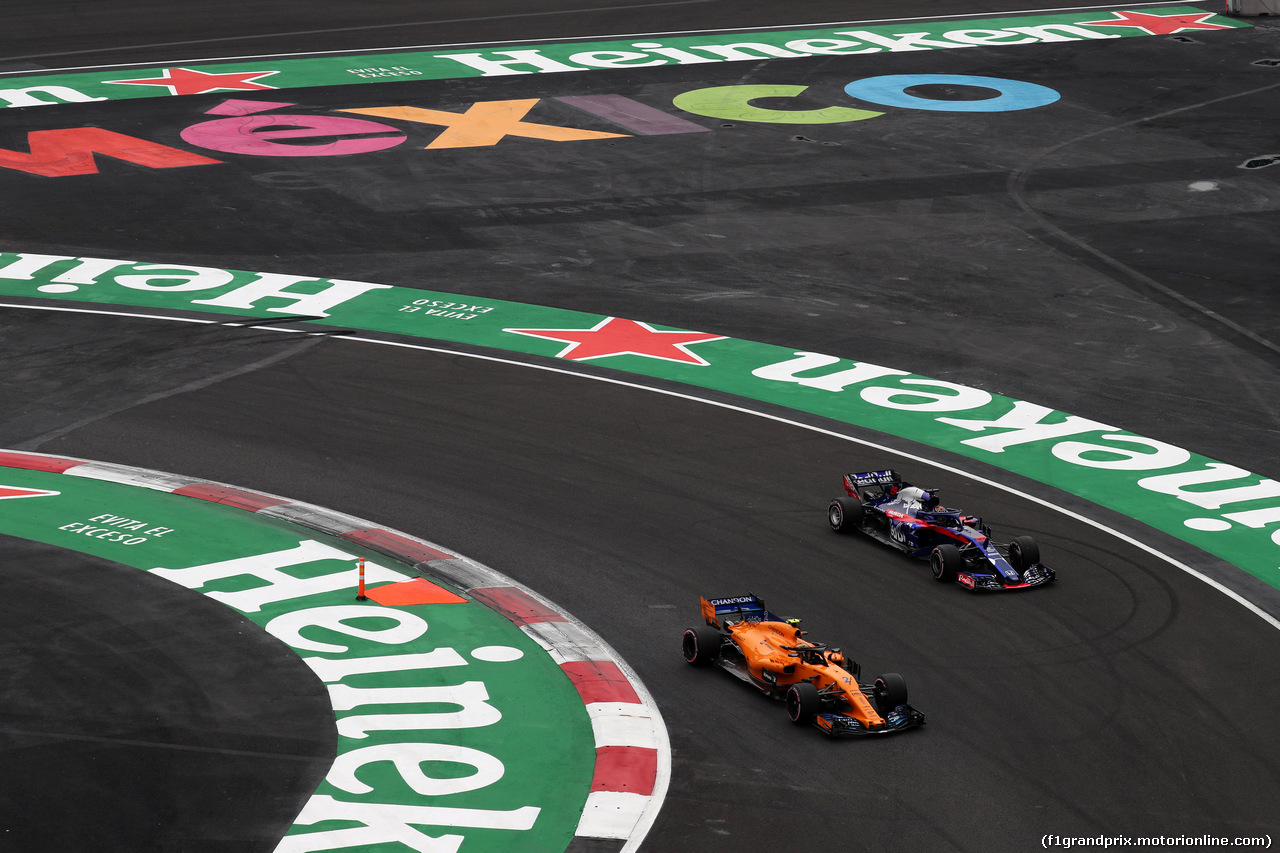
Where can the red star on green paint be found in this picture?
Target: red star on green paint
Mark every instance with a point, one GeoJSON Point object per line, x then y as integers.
{"type": "Point", "coordinates": [1159, 25]}
{"type": "Point", "coordinates": [20, 492]}
{"type": "Point", "coordinates": [614, 336]}
{"type": "Point", "coordinates": [186, 81]}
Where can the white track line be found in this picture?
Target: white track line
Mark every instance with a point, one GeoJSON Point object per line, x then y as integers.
{"type": "Point", "coordinates": [1178, 564]}
{"type": "Point", "coordinates": [617, 36]}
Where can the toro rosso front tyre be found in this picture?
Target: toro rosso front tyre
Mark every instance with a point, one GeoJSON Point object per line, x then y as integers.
{"type": "Point", "coordinates": [1024, 553]}
{"type": "Point", "coordinates": [802, 702]}
{"type": "Point", "coordinates": [945, 562]}
{"type": "Point", "coordinates": [701, 645]}
{"type": "Point", "coordinates": [844, 515]}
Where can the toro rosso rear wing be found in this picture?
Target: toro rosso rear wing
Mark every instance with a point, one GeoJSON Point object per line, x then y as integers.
{"type": "Point", "coordinates": [738, 608]}
{"type": "Point", "coordinates": [853, 482]}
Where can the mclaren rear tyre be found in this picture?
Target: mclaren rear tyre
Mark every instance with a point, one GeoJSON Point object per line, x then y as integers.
{"type": "Point", "coordinates": [890, 691]}
{"type": "Point", "coordinates": [1024, 553]}
{"type": "Point", "coordinates": [701, 645]}
{"type": "Point", "coordinates": [802, 702]}
{"type": "Point", "coordinates": [945, 562]}
{"type": "Point", "coordinates": [844, 515]}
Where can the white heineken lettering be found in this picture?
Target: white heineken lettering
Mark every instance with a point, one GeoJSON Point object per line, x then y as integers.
{"type": "Point", "coordinates": [1122, 458]}
{"type": "Point", "coordinates": [471, 696]}
{"type": "Point", "coordinates": [1025, 424]}
{"type": "Point", "coordinates": [988, 37]}
{"type": "Point", "coordinates": [1257, 517]}
{"type": "Point", "coordinates": [1213, 472]}
{"type": "Point", "coordinates": [1062, 32]}
{"type": "Point", "coordinates": [278, 585]}
{"type": "Point", "coordinates": [26, 96]}
{"type": "Point", "coordinates": [324, 294]}
{"type": "Point", "coordinates": [336, 670]}
{"type": "Point", "coordinates": [615, 59]}
{"type": "Point", "coordinates": [960, 398]}
{"type": "Point", "coordinates": [823, 46]}
{"type": "Point", "coordinates": [904, 41]}
{"type": "Point", "coordinates": [89, 270]}
{"type": "Point", "coordinates": [408, 759]}
{"type": "Point", "coordinates": [747, 51]}
{"type": "Point", "coordinates": [532, 60]}
{"type": "Point", "coordinates": [28, 264]}
{"type": "Point", "coordinates": [275, 286]}
{"type": "Point", "coordinates": [288, 627]}
{"type": "Point", "coordinates": [173, 278]}
{"type": "Point", "coordinates": [861, 372]}
{"type": "Point", "coordinates": [682, 57]}
{"type": "Point", "coordinates": [385, 824]}
{"type": "Point", "coordinates": [406, 717]}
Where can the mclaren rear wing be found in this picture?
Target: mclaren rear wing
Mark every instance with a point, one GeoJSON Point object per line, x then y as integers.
{"type": "Point", "coordinates": [739, 608]}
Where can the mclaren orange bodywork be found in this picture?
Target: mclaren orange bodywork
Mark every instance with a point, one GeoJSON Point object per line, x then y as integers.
{"type": "Point", "coordinates": [818, 684]}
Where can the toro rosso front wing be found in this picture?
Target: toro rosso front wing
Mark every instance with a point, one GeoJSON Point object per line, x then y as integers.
{"type": "Point", "coordinates": [1034, 576]}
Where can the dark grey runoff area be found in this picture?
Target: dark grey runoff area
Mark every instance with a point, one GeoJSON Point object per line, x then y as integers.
{"type": "Point", "coordinates": [137, 716]}
{"type": "Point", "coordinates": [1111, 255]}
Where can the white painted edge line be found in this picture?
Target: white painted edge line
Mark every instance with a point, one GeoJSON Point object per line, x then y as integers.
{"type": "Point", "coordinates": [253, 57]}
{"type": "Point", "coordinates": [1075, 516]}
{"type": "Point", "coordinates": [1097, 525]}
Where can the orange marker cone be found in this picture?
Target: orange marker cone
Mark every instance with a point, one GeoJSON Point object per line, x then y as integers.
{"type": "Point", "coordinates": [360, 596]}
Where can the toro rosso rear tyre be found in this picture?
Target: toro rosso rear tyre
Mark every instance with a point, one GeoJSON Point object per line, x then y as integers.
{"type": "Point", "coordinates": [844, 515]}
{"type": "Point", "coordinates": [945, 562]}
{"type": "Point", "coordinates": [1023, 553]}
{"type": "Point", "coordinates": [802, 702]}
{"type": "Point", "coordinates": [890, 691]}
{"type": "Point", "coordinates": [701, 645]}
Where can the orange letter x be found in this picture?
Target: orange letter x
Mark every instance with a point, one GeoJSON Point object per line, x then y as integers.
{"type": "Point", "coordinates": [485, 123]}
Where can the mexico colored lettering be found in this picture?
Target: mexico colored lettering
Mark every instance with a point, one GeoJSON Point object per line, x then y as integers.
{"type": "Point", "coordinates": [255, 128]}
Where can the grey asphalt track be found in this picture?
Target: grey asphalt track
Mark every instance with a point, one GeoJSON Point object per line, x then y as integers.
{"type": "Point", "coordinates": [1046, 258]}
{"type": "Point", "coordinates": [137, 716]}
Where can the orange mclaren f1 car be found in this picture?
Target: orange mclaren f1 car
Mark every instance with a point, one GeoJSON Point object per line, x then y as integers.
{"type": "Point", "coordinates": [818, 684]}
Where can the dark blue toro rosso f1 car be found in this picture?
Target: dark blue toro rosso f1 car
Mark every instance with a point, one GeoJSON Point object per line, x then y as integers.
{"type": "Point", "coordinates": [959, 547]}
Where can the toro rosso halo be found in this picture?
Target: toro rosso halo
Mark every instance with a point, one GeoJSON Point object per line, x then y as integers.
{"type": "Point", "coordinates": [958, 546]}
{"type": "Point", "coordinates": [817, 684]}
